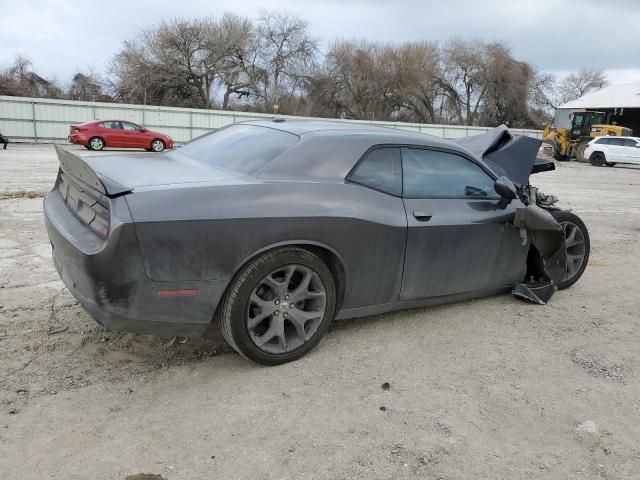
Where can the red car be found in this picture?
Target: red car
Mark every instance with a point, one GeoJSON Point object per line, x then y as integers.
{"type": "Point", "coordinates": [118, 133]}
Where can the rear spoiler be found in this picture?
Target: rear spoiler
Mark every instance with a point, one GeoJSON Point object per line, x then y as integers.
{"type": "Point", "coordinates": [74, 166]}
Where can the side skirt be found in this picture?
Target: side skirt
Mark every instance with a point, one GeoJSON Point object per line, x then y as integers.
{"type": "Point", "coordinates": [417, 303]}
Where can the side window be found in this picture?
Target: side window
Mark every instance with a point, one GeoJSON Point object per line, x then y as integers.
{"type": "Point", "coordinates": [434, 174]}
{"type": "Point", "coordinates": [380, 170]}
{"type": "Point", "coordinates": [617, 141]}
{"type": "Point", "coordinates": [629, 142]}
{"type": "Point", "coordinates": [114, 125]}
{"type": "Point", "coordinates": [602, 141]}
{"type": "Point", "coordinates": [130, 127]}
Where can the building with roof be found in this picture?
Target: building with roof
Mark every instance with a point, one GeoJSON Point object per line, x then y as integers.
{"type": "Point", "coordinates": [620, 101]}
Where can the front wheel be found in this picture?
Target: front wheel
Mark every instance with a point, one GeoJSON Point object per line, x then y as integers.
{"type": "Point", "coordinates": [157, 145]}
{"type": "Point", "coordinates": [279, 306]}
{"type": "Point", "coordinates": [578, 245]}
{"type": "Point", "coordinates": [597, 159]}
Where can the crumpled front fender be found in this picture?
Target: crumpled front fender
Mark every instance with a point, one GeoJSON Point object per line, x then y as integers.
{"type": "Point", "coordinates": [547, 263]}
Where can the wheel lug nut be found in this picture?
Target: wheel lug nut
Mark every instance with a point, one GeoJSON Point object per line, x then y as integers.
{"type": "Point", "coordinates": [286, 297]}
{"type": "Point", "coordinates": [277, 301]}
{"type": "Point", "coordinates": [277, 312]}
{"type": "Point", "coordinates": [284, 314]}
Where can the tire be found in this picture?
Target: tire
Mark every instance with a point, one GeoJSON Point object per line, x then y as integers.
{"type": "Point", "coordinates": [580, 148]}
{"type": "Point", "coordinates": [556, 148]}
{"type": "Point", "coordinates": [87, 147]}
{"type": "Point", "coordinates": [570, 221]}
{"type": "Point", "coordinates": [157, 145]}
{"type": "Point", "coordinates": [610, 164]}
{"type": "Point", "coordinates": [597, 159]}
{"type": "Point", "coordinates": [96, 144]}
{"type": "Point", "coordinates": [238, 304]}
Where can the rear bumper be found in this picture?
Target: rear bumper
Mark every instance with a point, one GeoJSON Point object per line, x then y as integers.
{"type": "Point", "coordinates": [107, 277]}
{"type": "Point", "coordinates": [77, 139]}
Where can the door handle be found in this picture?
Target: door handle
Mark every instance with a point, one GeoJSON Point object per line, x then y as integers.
{"type": "Point", "coordinates": [422, 216]}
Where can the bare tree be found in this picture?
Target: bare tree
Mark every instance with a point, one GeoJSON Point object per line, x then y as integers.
{"type": "Point", "coordinates": [419, 70]}
{"type": "Point", "coordinates": [240, 64]}
{"type": "Point", "coordinates": [176, 62]}
{"type": "Point", "coordinates": [506, 84]}
{"type": "Point", "coordinates": [21, 80]}
{"type": "Point", "coordinates": [577, 84]}
{"type": "Point", "coordinates": [87, 87]}
{"type": "Point", "coordinates": [546, 93]}
{"type": "Point", "coordinates": [242, 72]}
{"type": "Point", "coordinates": [365, 79]}
{"type": "Point", "coordinates": [462, 79]}
{"type": "Point", "coordinates": [287, 52]}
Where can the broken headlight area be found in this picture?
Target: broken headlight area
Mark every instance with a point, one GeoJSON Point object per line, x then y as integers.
{"type": "Point", "coordinates": [547, 257]}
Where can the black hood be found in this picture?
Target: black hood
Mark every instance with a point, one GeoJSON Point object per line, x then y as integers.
{"type": "Point", "coordinates": [513, 156]}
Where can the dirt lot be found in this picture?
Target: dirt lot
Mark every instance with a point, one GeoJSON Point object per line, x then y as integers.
{"type": "Point", "coordinates": [488, 389]}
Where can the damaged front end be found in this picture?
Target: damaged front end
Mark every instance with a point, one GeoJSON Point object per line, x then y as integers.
{"type": "Point", "coordinates": [547, 258]}
{"type": "Point", "coordinates": [515, 157]}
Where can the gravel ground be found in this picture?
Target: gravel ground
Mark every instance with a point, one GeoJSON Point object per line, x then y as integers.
{"type": "Point", "coordinates": [490, 389]}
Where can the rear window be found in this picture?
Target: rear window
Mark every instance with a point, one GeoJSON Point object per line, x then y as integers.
{"type": "Point", "coordinates": [381, 170]}
{"type": "Point", "coordinates": [244, 148]}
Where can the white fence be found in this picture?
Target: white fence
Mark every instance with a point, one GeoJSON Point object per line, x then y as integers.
{"type": "Point", "coordinates": [44, 120]}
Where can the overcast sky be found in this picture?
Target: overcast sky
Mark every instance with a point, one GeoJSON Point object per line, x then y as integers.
{"type": "Point", "coordinates": [61, 36]}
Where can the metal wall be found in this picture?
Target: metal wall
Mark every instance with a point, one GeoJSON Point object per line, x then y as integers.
{"type": "Point", "coordinates": [45, 120]}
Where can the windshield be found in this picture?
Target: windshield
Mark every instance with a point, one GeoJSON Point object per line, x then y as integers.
{"type": "Point", "coordinates": [244, 148]}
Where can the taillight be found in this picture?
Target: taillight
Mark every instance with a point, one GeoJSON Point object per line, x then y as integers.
{"type": "Point", "coordinates": [86, 207]}
{"type": "Point", "coordinates": [85, 212]}
{"type": "Point", "coordinates": [100, 223]}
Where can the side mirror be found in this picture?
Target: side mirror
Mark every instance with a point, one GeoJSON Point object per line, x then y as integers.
{"type": "Point", "coordinates": [143, 130]}
{"type": "Point", "coordinates": [506, 189]}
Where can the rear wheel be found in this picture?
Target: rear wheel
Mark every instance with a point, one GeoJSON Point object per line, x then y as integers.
{"type": "Point", "coordinates": [96, 143]}
{"type": "Point", "coordinates": [157, 145]}
{"type": "Point", "coordinates": [578, 245]}
{"type": "Point", "coordinates": [279, 306]}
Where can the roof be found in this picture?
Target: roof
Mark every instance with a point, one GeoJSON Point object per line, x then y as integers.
{"type": "Point", "coordinates": [311, 127]}
{"type": "Point", "coordinates": [621, 137]}
{"type": "Point", "coordinates": [621, 95]}
{"type": "Point", "coordinates": [328, 150]}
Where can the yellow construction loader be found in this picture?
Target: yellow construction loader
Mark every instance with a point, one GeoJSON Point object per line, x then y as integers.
{"type": "Point", "coordinates": [569, 143]}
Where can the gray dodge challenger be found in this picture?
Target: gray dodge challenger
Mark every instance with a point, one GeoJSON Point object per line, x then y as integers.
{"type": "Point", "coordinates": [275, 228]}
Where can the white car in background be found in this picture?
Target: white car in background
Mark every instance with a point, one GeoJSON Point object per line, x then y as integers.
{"type": "Point", "coordinates": [611, 150]}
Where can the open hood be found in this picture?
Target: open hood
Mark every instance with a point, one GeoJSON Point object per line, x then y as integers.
{"type": "Point", "coordinates": [513, 156]}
